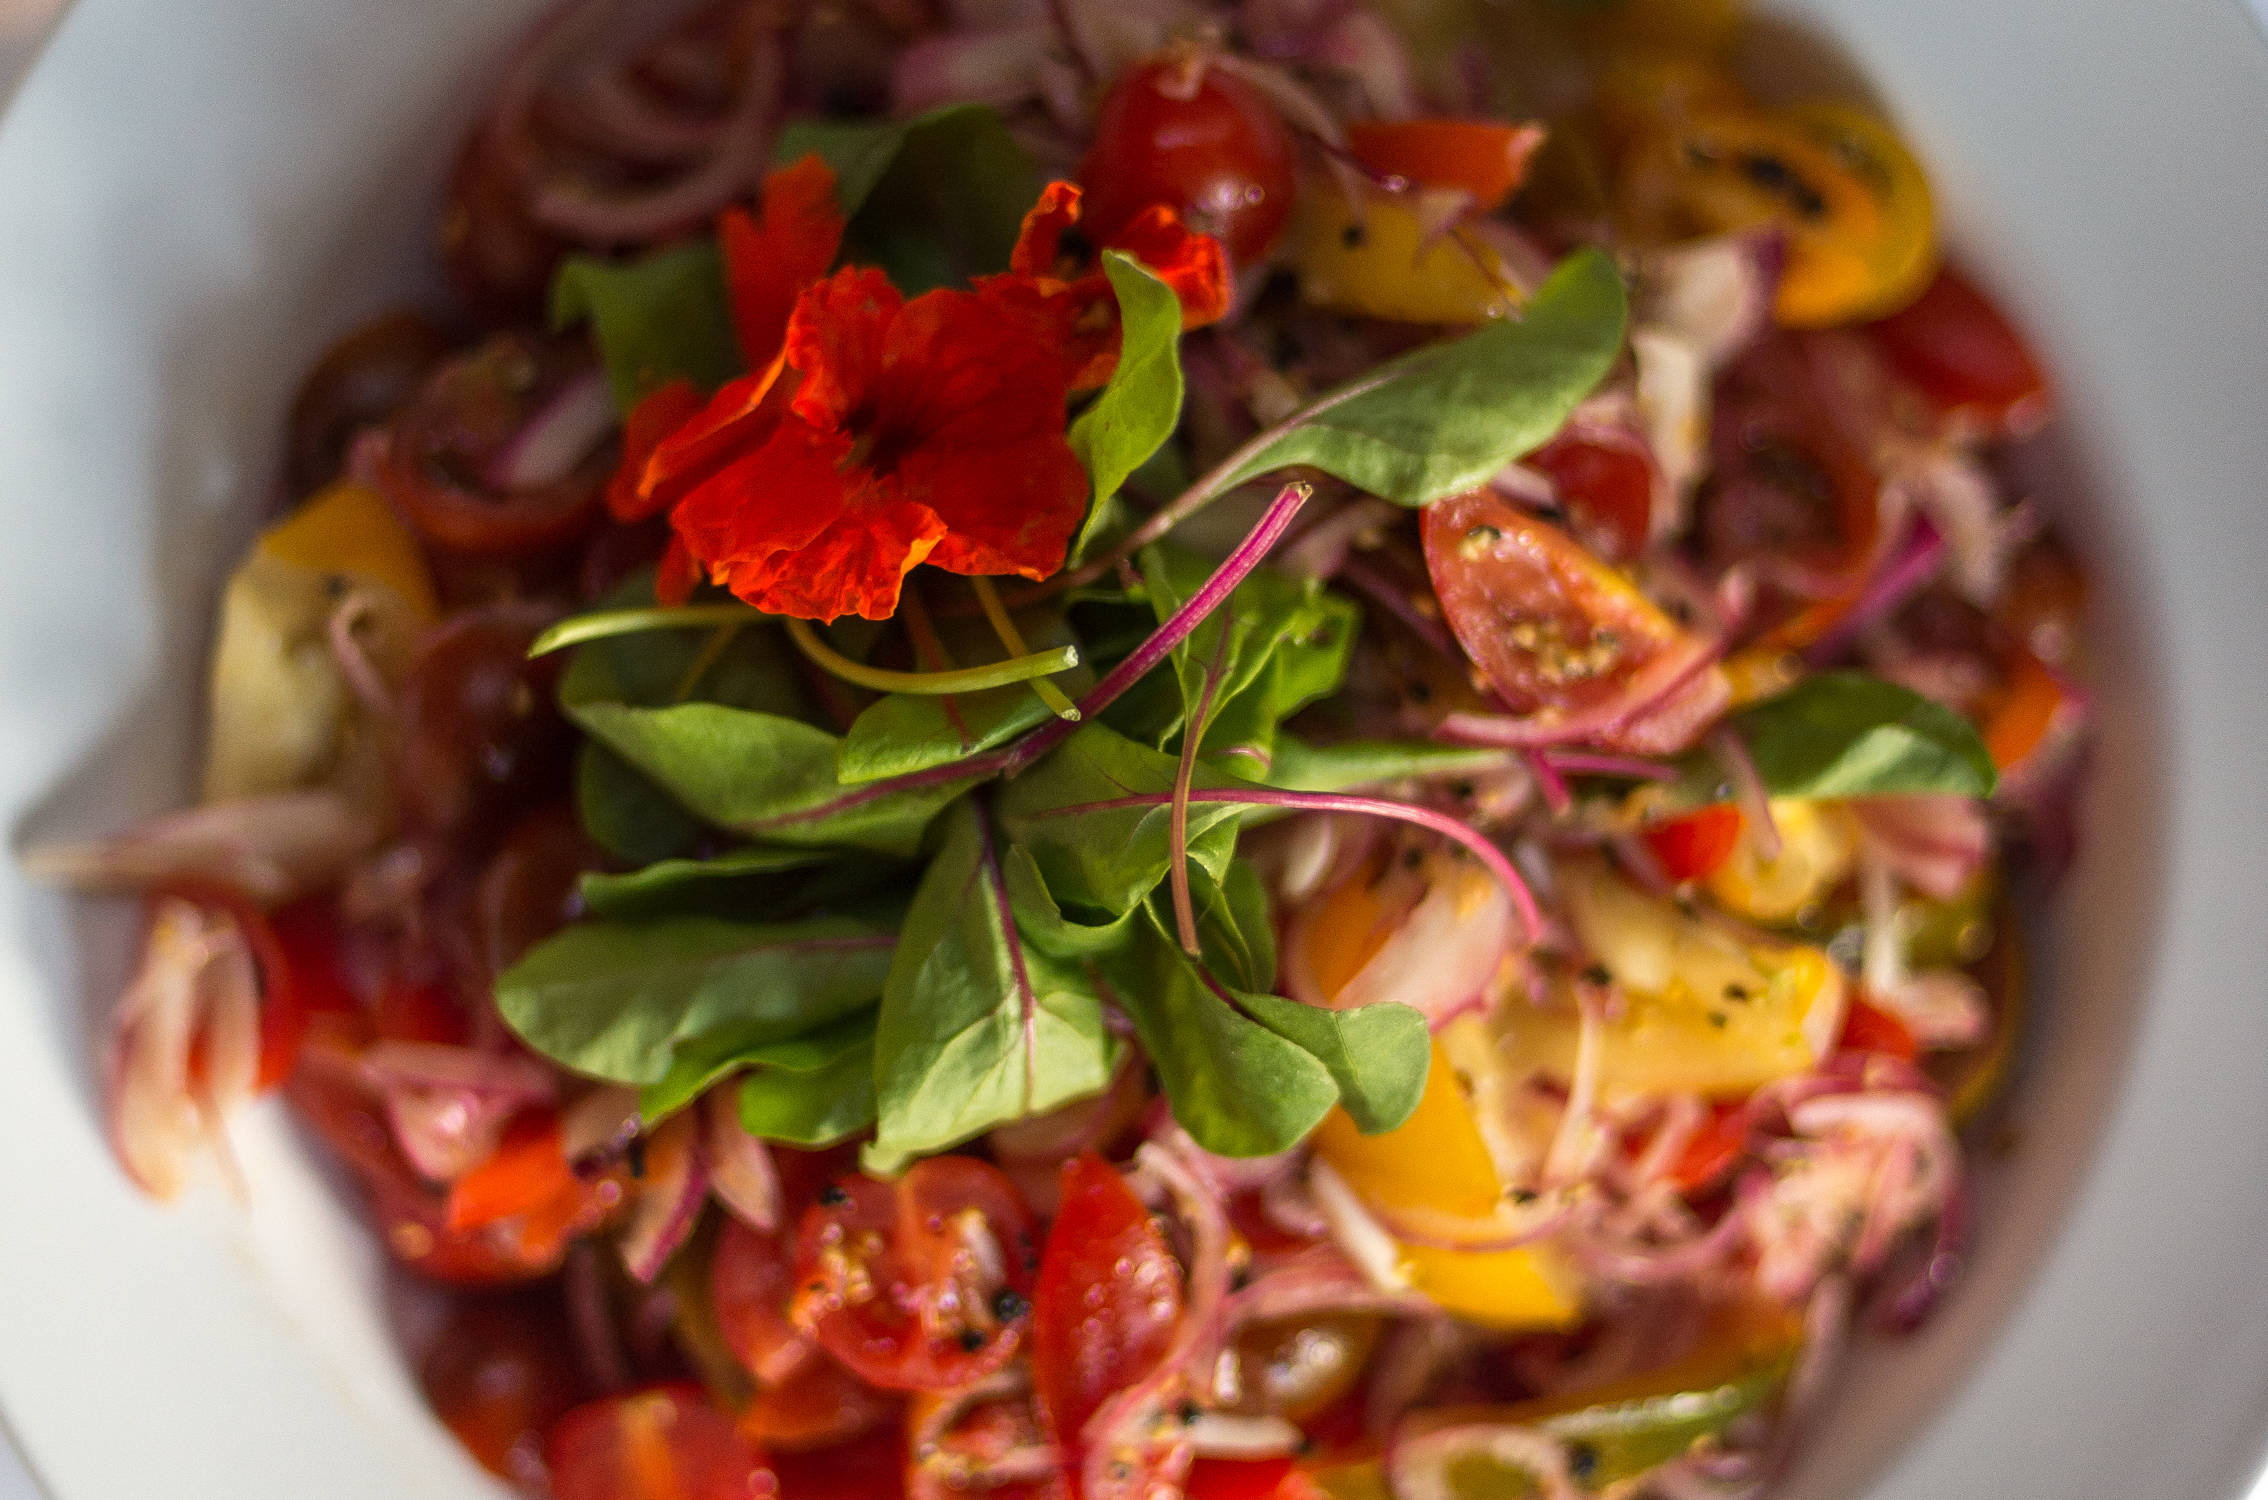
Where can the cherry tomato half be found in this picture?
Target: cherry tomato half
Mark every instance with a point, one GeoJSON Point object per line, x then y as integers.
{"type": "Point", "coordinates": [1482, 157]}
{"type": "Point", "coordinates": [445, 442]}
{"type": "Point", "coordinates": [1869, 1028]}
{"type": "Point", "coordinates": [499, 1374]}
{"type": "Point", "coordinates": [359, 382]}
{"type": "Point", "coordinates": [872, 1468]}
{"type": "Point", "coordinates": [480, 736]}
{"type": "Point", "coordinates": [662, 1443]}
{"type": "Point", "coordinates": [1563, 638]}
{"type": "Point", "coordinates": [1695, 846]}
{"type": "Point", "coordinates": [1714, 1149]}
{"type": "Point", "coordinates": [1178, 131]}
{"type": "Point", "coordinates": [1108, 1300]}
{"type": "Point", "coordinates": [922, 1284]}
{"type": "Point", "coordinates": [1605, 477]}
{"type": "Point", "coordinates": [1961, 352]}
{"type": "Point", "coordinates": [1249, 1479]}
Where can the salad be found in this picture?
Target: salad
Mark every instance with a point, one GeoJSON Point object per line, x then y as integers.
{"type": "Point", "coordinates": [1076, 751]}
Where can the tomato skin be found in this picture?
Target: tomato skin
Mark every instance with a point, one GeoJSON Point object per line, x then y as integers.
{"type": "Point", "coordinates": [1961, 352]}
{"type": "Point", "coordinates": [1175, 131]}
{"type": "Point", "coordinates": [751, 1284]}
{"type": "Point", "coordinates": [1605, 478]}
{"type": "Point", "coordinates": [1564, 639]}
{"type": "Point", "coordinates": [1869, 1028]}
{"type": "Point", "coordinates": [1108, 1298]}
{"type": "Point", "coordinates": [872, 1468]}
{"type": "Point", "coordinates": [480, 735]}
{"type": "Point", "coordinates": [1249, 1479]}
{"type": "Point", "coordinates": [531, 887]}
{"type": "Point", "coordinates": [662, 1443]}
{"type": "Point", "coordinates": [361, 380]}
{"type": "Point", "coordinates": [499, 1373]}
{"type": "Point", "coordinates": [1695, 846]}
{"type": "Point", "coordinates": [924, 1284]}
{"type": "Point", "coordinates": [1481, 157]}
{"type": "Point", "coordinates": [1714, 1149]}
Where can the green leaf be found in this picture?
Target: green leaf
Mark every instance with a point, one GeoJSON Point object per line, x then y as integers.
{"type": "Point", "coordinates": [976, 1028]}
{"type": "Point", "coordinates": [616, 1000]}
{"type": "Point", "coordinates": [901, 733]}
{"type": "Point", "coordinates": [1129, 423]}
{"type": "Point", "coordinates": [1094, 855]}
{"type": "Point", "coordinates": [1377, 1054]}
{"type": "Point", "coordinates": [822, 1108]}
{"type": "Point", "coordinates": [1845, 734]}
{"type": "Point", "coordinates": [1343, 767]}
{"type": "Point", "coordinates": [698, 1064]}
{"type": "Point", "coordinates": [1443, 419]}
{"type": "Point", "coordinates": [764, 776]}
{"type": "Point", "coordinates": [645, 892]}
{"type": "Point", "coordinates": [1044, 924]}
{"type": "Point", "coordinates": [659, 318]}
{"type": "Point", "coordinates": [627, 815]}
{"type": "Point", "coordinates": [1236, 934]}
{"type": "Point", "coordinates": [933, 200]}
{"type": "Point", "coordinates": [1237, 1087]}
{"type": "Point", "coordinates": [1288, 644]}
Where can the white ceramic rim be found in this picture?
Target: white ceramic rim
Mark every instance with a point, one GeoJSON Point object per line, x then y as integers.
{"type": "Point", "coordinates": [2122, 142]}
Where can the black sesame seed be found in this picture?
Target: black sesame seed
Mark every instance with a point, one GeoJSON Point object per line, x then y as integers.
{"type": "Point", "coordinates": [1736, 992]}
{"type": "Point", "coordinates": [1189, 1412]}
{"type": "Point", "coordinates": [1354, 236]}
{"type": "Point", "coordinates": [832, 1196]}
{"type": "Point", "coordinates": [1582, 1461]}
{"type": "Point", "coordinates": [1719, 1019]}
{"type": "Point", "coordinates": [1008, 1304]}
{"type": "Point", "coordinates": [971, 1340]}
{"type": "Point", "coordinates": [1523, 1196]}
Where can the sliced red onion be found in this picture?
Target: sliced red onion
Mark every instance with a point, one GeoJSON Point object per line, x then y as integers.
{"type": "Point", "coordinates": [271, 848]}
{"type": "Point", "coordinates": [1558, 798]}
{"type": "Point", "coordinates": [1934, 844]}
{"type": "Point", "coordinates": [599, 1125]}
{"type": "Point", "coordinates": [1318, 1283]}
{"type": "Point", "coordinates": [1320, 550]}
{"type": "Point", "coordinates": [554, 442]}
{"type": "Point", "coordinates": [1897, 580]}
{"type": "Point", "coordinates": [1661, 1265]}
{"type": "Point", "coordinates": [1418, 1464]}
{"type": "Point", "coordinates": [195, 964]}
{"type": "Point", "coordinates": [1217, 1434]}
{"type": "Point", "coordinates": [1748, 790]}
{"type": "Point", "coordinates": [999, 68]}
{"type": "Point", "coordinates": [445, 1133]}
{"type": "Point", "coordinates": [1361, 45]}
{"type": "Point", "coordinates": [513, 1078]}
{"type": "Point", "coordinates": [1445, 951]}
{"type": "Point", "coordinates": [590, 1320]}
{"type": "Point", "coordinates": [1397, 600]}
{"type": "Point", "coordinates": [744, 1178]}
{"type": "Point", "coordinates": [669, 1199]}
{"type": "Point", "coordinates": [1508, 1230]}
{"type": "Point", "coordinates": [1585, 763]}
{"type": "Point", "coordinates": [1356, 1231]}
{"type": "Point", "coordinates": [1663, 706]}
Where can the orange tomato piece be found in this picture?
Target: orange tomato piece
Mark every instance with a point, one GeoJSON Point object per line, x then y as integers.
{"type": "Point", "coordinates": [1482, 157]}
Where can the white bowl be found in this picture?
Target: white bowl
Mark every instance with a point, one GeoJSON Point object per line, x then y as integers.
{"type": "Point", "coordinates": [195, 199]}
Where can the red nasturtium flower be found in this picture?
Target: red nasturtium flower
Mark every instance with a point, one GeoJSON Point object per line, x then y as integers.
{"type": "Point", "coordinates": [1193, 264]}
{"type": "Point", "coordinates": [879, 433]}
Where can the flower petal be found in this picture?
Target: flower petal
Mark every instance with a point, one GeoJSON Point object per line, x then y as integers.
{"type": "Point", "coordinates": [1193, 264]}
{"type": "Point", "coordinates": [855, 567]}
{"type": "Point", "coordinates": [1039, 243]}
{"type": "Point", "coordinates": [772, 256]}
{"type": "Point", "coordinates": [837, 337]}
{"type": "Point", "coordinates": [738, 418]}
{"type": "Point", "coordinates": [658, 414]}
{"type": "Point", "coordinates": [1007, 508]}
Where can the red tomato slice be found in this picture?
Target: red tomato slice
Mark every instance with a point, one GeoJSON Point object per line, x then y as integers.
{"type": "Point", "coordinates": [1249, 1479]}
{"type": "Point", "coordinates": [1484, 158]}
{"type": "Point", "coordinates": [662, 1443]}
{"type": "Point", "coordinates": [924, 1284]}
{"type": "Point", "coordinates": [1108, 1300]}
{"type": "Point", "coordinates": [1567, 642]}
{"type": "Point", "coordinates": [873, 1468]}
{"type": "Point", "coordinates": [1714, 1149]}
{"type": "Point", "coordinates": [1961, 352]}
{"type": "Point", "coordinates": [1869, 1028]}
{"type": "Point", "coordinates": [751, 1283]}
{"type": "Point", "coordinates": [528, 1170]}
{"type": "Point", "coordinates": [501, 1371]}
{"type": "Point", "coordinates": [1606, 477]}
{"type": "Point", "coordinates": [1693, 846]}
{"type": "Point", "coordinates": [1199, 139]}
{"type": "Point", "coordinates": [968, 1445]}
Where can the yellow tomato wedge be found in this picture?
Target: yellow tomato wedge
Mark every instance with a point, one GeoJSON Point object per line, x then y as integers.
{"type": "Point", "coordinates": [1705, 1010]}
{"type": "Point", "coordinates": [1435, 1166]}
{"type": "Point", "coordinates": [1818, 842]}
{"type": "Point", "coordinates": [1851, 201]}
{"type": "Point", "coordinates": [1399, 256]}
{"type": "Point", "coordinates": [278, 703]}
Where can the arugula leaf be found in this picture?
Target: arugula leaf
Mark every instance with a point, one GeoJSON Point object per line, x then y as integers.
{"type": "Point", "coordinates": [1301, 767]}
{"type": "Point", "coordinates": [659, 318]}
{"type": "Point", "coordinates": [1237, 1087]}
{"type": "Point", "coordinates": [933, 200]}
{"type": "Point", "coordinates": [616, 1000]}
{"type": "Point", "coordinates": [1444, 418]}
{"type": "Point", "coordinates": [700, 1063]}
{"type": "Point", "coordinates": [765, 776]}
{"type": "Point", "coordinates": [1378, 1054]}
{"type": "Point", "coordinates": [647, 891]}
{"type": "Point", "coordinates": [1846, 734]}
{"type": "Point", "coordinates": [1129, 423]}
{"type": "Point", "coordinates": [976, 1027]}
{"type": "Point", "coordinates": [1094, 855]}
